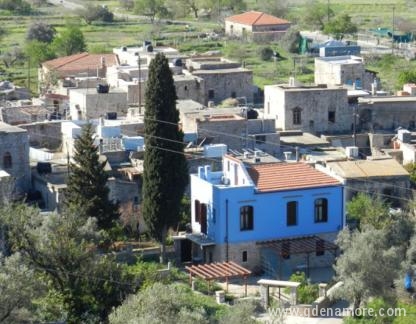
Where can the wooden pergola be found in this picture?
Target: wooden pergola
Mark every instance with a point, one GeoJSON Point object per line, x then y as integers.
{"type": "Point", "coordinates": [300, 245]}
{"type": "Point", "coordinates": [215, 271]}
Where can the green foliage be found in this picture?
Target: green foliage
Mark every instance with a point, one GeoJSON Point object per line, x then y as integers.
{"type": "Point", "coordinates": [339, 26]}
{"type": "Point", "coordinates": [61, 248]}
{"type": "Point", "coordinates": [69, 41]}
{"type": "Point", "coordinates": [307, 293]}
{"type": "Point", "coordinates": [13, 56]}
{"type": "Point", "coordinates": [147, 274]}
{"type": "Point", "coordinates": [17, 6]}
{"type": "Point", "coordinates": [358, 267]}
{"type": "Point", "coordinates": [240, 313]}
{"type": "Point", "coordinates": [40, 31]}
{"type": "Point", "coordinates": [18, 286]}
{"type": "Point", "coordinates": [315, 15]}
{"type": "Point", "coordinates": [161, 304]}
{"type": "Point", "coordinates": [185, 213]}
{"type": "Point", "coordinates": [93, 13]}
{"type": "Point", "coordinates": [165, 168]}
{"type": "Point", "coordinates": [38, 52]}
{"type": "Point", "coordinates": [290, 40]}
{"type": "Point", "coordinates": [266, 53]}
{"type": "Point", "coordinates": [127, 4]}
{"type": "Point", "coordinates": [408, 76]}
{"type": "Point", "coordinates": [151, 8]}
{"type": "Point", "coordinates": [87, 190]}
{"type": "Point", "coordinates": [205, 287]}
{"type": "Point", "coordinates": [369, 211]}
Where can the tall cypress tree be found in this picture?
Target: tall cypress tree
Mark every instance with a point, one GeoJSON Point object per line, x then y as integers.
{"type": "Point", "coordinates": [87, 190]}
{"type": "Point", "coordinates": [165, 174]}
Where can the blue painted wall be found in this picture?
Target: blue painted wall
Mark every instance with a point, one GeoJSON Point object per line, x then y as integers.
{"type": "Point", "coordinates": [269, 211]}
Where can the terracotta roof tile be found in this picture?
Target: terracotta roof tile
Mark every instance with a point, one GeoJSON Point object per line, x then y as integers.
{"type": "Point", "coordinates": [81, 61]}
{"type": "Point", "coordinates": [288, 176]}
{"type": "Point", "coordinates": [256, 18]}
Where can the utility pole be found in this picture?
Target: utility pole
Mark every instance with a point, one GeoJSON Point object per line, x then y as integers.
{"type": "Point", "coordinates": [392, 32]}
{"type": "Point", "coordinates": [327, 11]}
{"type": "Point", "coordinates": [28, 74]}
{"type": "Point", "coordinates": [354, 131]}
{"type": "Point", "coordinates": [140, 83]}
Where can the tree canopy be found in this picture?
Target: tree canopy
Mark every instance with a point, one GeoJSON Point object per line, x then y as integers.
{"type": "Point", "coordinates": [87, 190]}
{"type": "Point", "coordinates": [369, 210]}
{"type": "Point", "coordinates": [165, 168]}
{"type": "Point", "coordinates": [78, 284]}
{"type": "Point", "coordinates": [367, 266]}
{"type": "Point", "coordinates": [339, 26]}
{"type": "Point", "coordinates": [92, 13]}
{"type": "Point", "coordinates": [40, 31]}
{"type": "Point", "coordinates": [69, 41]}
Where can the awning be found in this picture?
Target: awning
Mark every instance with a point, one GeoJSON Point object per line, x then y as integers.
{"type": "Point", "coordinates": [223, 270]}
{"type": "Point", "coordinates": [299, 245]}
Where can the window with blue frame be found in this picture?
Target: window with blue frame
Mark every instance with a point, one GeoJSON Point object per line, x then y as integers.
{"type": "Point", "coordinates": [292, 213]}
{"type": "Point", "coordinates": [321, 210]}
{"type": "Point", "coordinates": [246, 218]}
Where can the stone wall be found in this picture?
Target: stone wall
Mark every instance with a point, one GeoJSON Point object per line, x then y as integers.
{"type": "Point", "coordinates": [44, 134]}
{"type": "Point", "coordinates": [232, 132]}
{"type": "Point", "coordinates": [14, 155]}
{"type": "Point", "coordinates": [387, 115]}
{"type": "Point", "coordinates": [222, 84]}
{"type": "Point", "coordinates": [321, 110]}
{"type": "Point", "coordinates": [88, 104]}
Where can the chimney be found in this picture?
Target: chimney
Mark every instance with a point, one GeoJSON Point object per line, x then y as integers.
{"type": "Point", "coordinates": [102, 70]}
{"type": "Point", "coordinates": [297, 153]}
{"type": "Point", "coordinates": [208, 172]}
{"type": "Point", "coordinates": [201, 172]}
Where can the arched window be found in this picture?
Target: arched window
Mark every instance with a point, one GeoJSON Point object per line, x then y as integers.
{"type": "Point", "coordinates": [7, 160]}
{"type": "Point", "coordinates": [321, 210]}
{"type": "Point", "coordinates": [246, 218]}
{"type": "Point", "coordinates": [297, 116]}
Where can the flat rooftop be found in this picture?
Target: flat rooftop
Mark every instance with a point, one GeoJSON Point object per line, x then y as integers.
{"type": "Point", "coordinates": [347, 59]}
{"type": "Point", "coordinates": [386, 99]}
{"type": "Point", "coordinates": [92, 91]}
{"type": "Point", "coordinates": [368, 168]}
{"type": "Point", "coordinates": [6, 128]}
{"type": "Point", "coordinates": [289, 88]}
{"type": "Point", "coordinates": [291, 138]}
{"type": "Point", "coordinates": [222, 71]}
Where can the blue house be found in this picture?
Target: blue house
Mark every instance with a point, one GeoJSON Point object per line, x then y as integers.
{"type": "Point", "coordinates": [271, 215]}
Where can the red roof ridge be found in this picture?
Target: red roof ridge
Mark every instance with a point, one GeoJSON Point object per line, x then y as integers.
{"type": "Point", "coordinates": [261, 14]}
{"type": "Point", "coordinates": [76, 57]}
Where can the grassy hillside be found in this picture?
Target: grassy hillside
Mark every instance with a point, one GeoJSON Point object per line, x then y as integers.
{"type": "Point", "coordinates": [102, 37]}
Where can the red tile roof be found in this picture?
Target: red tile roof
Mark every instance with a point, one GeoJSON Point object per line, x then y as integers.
{"type": "Point", "coordinates": [288, 176]}
{"type": "Point", "coordinates": [81, 61]}
{"type": "Point", "coordinates": [256, 18]}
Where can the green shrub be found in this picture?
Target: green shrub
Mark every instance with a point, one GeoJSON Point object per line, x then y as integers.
{"type": "Point", "coordinates": [266, 53]}
{"type": "Point", "coordinates": [307, 293]}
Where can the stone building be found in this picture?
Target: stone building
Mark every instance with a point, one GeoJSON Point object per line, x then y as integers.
{"type": "Point", "coordinates": [257, 26]}
{"type": "Point", "coordinates": [24, 114]}
{"type": "Point", "coordinates": [386, 112]}
{"type": "Point", "coordinates": [81, 64]}
{"type": "Point", "coordinates": [384, 177]}
{"type": "Point", "coordinates": [313, 109]}
{"type": "Point", "coordinates": [14, 155]}
{"type": "Point", "coordinates": [229, 126]}
{"type": "Point", "coordinates": [344, 70]}
{"type": "Point", "coordinates": [90, 104]}
{"type": "Point", "coordinates": [223, 79]}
